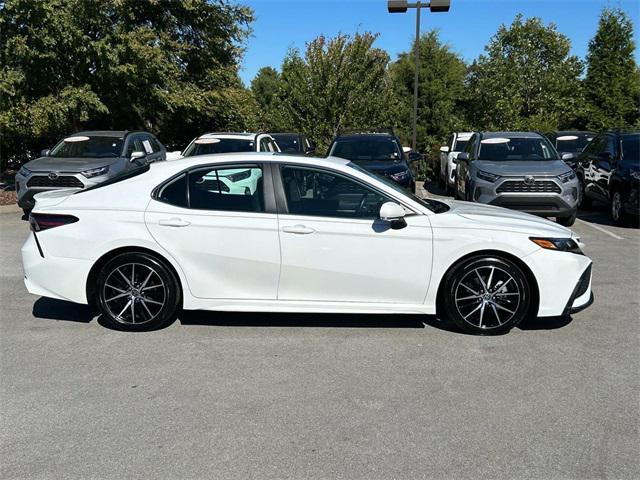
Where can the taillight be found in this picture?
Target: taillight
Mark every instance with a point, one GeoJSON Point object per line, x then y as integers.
{"type": "Point", "coordinates": [45, 221]}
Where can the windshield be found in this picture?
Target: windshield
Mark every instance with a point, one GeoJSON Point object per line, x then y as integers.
{"type": "Point", "coordinates": [434, 206]}
{"type": "Point", "coordinates": [631, 148]}
{"type": "Point", "coordinates": [460, 145]}
{"type": "Point", "coordinates": [367, 148]}
{"type": "Point", "coordinates": [516, 148]}
{"type": "Point", "coordinates": [288, 143]}
{"type": "Point", "coordinates": [206, 146]}
{"type": "Point", "coordinates": [83, 146]}
{"type": "Point", "coordinates": [573, 143]}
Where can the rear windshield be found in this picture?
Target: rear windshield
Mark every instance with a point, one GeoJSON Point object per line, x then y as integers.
{"type": "Point", "coordinates": [118, 178]}
{"type": "Point", "coordinates": [288, 143]}
{"type": "Point", "coordinates": [219, 145]}
{"type": "Point", "coordinates": [366, 148]}
{"type": "Point", "coordinates": [516, 148]}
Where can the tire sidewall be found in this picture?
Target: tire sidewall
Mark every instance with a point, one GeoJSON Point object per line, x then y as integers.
{"type": "Point", "coordinates": [459, 271]}
{"type": "Point", "coordinates": [166, 314]}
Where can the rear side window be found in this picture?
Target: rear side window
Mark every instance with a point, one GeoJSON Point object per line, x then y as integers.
{"type": "Point", "coordinates": [237, 189]}
{"type": "Point", "coordinates": [175, 193]}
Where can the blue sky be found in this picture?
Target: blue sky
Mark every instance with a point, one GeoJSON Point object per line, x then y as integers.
{"type": "Point", "coordinates": [467, 27]}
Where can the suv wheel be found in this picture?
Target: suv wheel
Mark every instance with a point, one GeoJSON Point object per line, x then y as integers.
{"type": "Point", "coordinates": [617, 208]}
{"type": "Point", "coordinates": [567, 221]}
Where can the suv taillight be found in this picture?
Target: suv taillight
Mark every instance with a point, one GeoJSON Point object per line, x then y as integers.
{"type": "Point", "coordinates": [45, 221]}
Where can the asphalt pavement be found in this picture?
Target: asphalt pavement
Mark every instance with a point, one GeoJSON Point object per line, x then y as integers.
{"type": "Point", "coordinates": [275, 396]}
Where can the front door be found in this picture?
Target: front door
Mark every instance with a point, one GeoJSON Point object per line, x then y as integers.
{"type": "Point", "coordinates": [215, 223]}
{"type": "Point", "coordinates": [335, 249]}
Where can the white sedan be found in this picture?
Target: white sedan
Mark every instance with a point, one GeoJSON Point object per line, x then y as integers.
{"type": "Point", "coordinates": [315, 235]}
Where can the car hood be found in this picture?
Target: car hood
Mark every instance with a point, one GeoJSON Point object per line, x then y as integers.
{"type": "Point", "coordinates": [382, 166]}
{"type": "Point", "coordinates": [65, 164]}
{"type": "Point", "coordinates": [523, 167]}
{"type": "Point", "coordinates": [498, 218]}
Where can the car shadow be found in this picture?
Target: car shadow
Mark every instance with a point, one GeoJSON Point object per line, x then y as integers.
{"type": "Point", "coordinates": [53, 309]}
{"type": "Point", "coordinates": [315, 320]}
{"type": "Point", "coordinates": [60, 310]}
{"type": "Point", "coordinates": [599, 214]}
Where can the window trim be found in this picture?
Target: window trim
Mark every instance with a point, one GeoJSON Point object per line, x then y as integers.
{"type": "Point", "coordinates": [268, 189]}
{"type": "Point", "coordinates": [281, 198]}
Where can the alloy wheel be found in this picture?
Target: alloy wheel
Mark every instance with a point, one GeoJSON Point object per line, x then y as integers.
{"type": "Point", "coordinates": [487, 297]}
{"type": "Point", "coordinates": [134, 293]}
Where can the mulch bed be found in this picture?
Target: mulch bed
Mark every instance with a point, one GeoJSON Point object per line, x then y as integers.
{"type": "Point", "coordinates": [7, 198]}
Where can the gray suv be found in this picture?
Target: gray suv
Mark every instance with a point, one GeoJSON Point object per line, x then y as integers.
{"type": "Point", "coordinates": [518, 170]}
{"type": "Point", "coordinates": [85, 159]}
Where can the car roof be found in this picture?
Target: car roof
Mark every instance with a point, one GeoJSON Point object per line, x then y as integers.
{"type": "Point", "coordinates": [248, 157]}
{"type": "Point", "coordinates": [108, 133]}
{"type": "Point", "coordinates": [463, 135]}
{"type": "Point", "coordinates": [510, 135]}
{"type": "Point", "coordinates": [286, 133]}
{"type": "Point", "coordinates": [353, 136]}
{"type": "Point", "coordinates": [241, 135]}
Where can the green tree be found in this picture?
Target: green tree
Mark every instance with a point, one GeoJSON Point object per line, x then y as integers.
{"type": "Point", "coordinates": [612, 83]}
{"type": "Point", "coordinates": [527, 80]}
{"type": "Point", "coordinates": [341, 83]}
{"type": "Point", "coordinates": [441, 95]}
{"type": "Point", "coordinates": [170, 67]}
{"type": "Point", "coordinates": [265, 87]}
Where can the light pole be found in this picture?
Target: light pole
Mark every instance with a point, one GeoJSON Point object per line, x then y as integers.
{"type": "Point", "coordinates": [401, 6]}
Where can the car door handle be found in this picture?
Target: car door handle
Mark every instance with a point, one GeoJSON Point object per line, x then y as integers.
{"type": "Point", "coordinates": [298, 229]}
{"type": "Point", "coordinates": [173, 222]}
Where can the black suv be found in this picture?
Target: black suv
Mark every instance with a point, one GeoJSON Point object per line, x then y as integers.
{"type": "Point", "coordinates": [381, 153]}
{"type": "Point", "coordinates": [295, 143]}
{"type": "Point", "coordinates": [609, 171]}
{"type": "Point", "coordinates": [570, 142]}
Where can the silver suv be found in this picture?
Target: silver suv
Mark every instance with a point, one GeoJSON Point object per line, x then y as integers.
{"type": "Point", "coordinates": [518, 170]}
{"type": "Point", "coordinates": [85, 159]}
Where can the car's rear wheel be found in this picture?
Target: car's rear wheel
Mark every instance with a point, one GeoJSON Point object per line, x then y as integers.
{"type": "Point", "coordinates": [136, 292]}
{"type": "Point", "coordinates": [486, 295]}
{"type": "Point", "coordinates": [617, 208]}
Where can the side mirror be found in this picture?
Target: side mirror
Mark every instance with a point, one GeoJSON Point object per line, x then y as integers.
{"type": "Point", "coordinates": [45, 152]}
{"type": "Point", "coordinates": [394, 214]}
{"type": "Point", "coordinates": [568, 156]}
{"type": "Point", "coordinates": [137, 155]}
{"type": "Point", "coordinates": [444, 149]}
{"type": "Point", "coordinates": [462, 157]}
{"type": "Point", "coordinates": [414, 157]}
{"type": "Point", "coordinates": [406, 149]}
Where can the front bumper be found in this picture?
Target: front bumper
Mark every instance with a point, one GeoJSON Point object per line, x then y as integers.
{"type": "Point", "coordinates": [561, 203]}
{"type": "Point", "coordinates": [26, 192]}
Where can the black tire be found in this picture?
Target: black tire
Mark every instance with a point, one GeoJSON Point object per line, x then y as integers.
{"type": "Point", "coordinates": [491, 307]}
{"type": "Point", "coordinates": [567, 221]}
{"type": "Point", "coordinates": [616, 209]}
{"type": "Point", "coordinates": [142, 280]}
{"type": "Point", "coordinates": [26, 211]}
{"type": "Point", "coordinates": [585, 202]}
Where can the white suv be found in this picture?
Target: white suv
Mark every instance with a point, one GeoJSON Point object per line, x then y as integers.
{"type": "Point", "coordinates": [210, 143]}
{"type": "Point", "coordinates": [447, 154]}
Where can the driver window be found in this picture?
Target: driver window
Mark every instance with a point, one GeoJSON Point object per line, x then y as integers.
{"type": "Point", "coordinates": [324, 194]}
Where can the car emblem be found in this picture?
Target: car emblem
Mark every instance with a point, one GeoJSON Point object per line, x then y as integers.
{"type": "Point", "coordinates": [529, 180]}
{"type": "Point", "coordinates": [53, 176]}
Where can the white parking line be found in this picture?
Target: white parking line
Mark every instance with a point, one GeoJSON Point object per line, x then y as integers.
{"type": "Point", "coordinates": [600, 229]}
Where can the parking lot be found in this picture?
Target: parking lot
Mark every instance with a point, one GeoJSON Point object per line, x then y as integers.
{"type": "Point", "coordinates": [220, 395]}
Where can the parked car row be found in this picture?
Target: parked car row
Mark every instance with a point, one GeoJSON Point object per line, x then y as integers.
{"type": "Point", "coordinates": [547, 175]}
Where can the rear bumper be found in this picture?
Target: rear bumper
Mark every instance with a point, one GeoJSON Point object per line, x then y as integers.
{"type": "Point", "coordinates": [54, 277]}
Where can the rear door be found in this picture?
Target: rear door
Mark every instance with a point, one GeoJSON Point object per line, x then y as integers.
{"type": "Point", "coordinates": [221, 227]}
{"type": "Point", "coordinates": [335, 249]}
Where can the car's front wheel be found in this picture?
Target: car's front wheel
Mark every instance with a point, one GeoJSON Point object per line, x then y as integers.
{"type": "Point", "coordinates": [617, 209]}
{"type": "Point", "coordinates": [486, 295]}
{"type": "Point", "coordinates": [567, 221]}
{"type": "Point", "coordinates": [137, 292]}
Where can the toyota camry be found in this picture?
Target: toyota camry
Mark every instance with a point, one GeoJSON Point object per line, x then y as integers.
{"type": "Point", "coordinates": [303, 235]}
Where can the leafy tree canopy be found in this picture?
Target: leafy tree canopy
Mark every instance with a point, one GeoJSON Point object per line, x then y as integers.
{"type": "Point", "coordinates": [170, 67]}
{"type": "Point", "coordinates": [612, 83]}
{"type": "Point", "coordinates": [527, 80]}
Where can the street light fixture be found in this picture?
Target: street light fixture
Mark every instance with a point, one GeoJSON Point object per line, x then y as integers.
{"type": "Point", "coordinates": [401, 6]}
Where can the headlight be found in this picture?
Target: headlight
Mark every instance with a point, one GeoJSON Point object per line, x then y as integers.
{"type": "Point", "coordinates": [489, 177]}
{"type": "Point", "coordinates": [24, 171]}
{"type": "Point", "coordinates": [399, 176]}
{"type": "Point", "coordinates": [565, 177]}
{"type": "Point", "coordinates": [95, 172]}
{"type": "Point", "coordinates": [559, 244]}
{"type": "Point", "coordinates": [236, 177]}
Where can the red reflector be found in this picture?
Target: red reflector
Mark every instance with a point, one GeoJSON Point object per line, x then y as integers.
{"type": "Point", "coordinates": [44, 221]}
